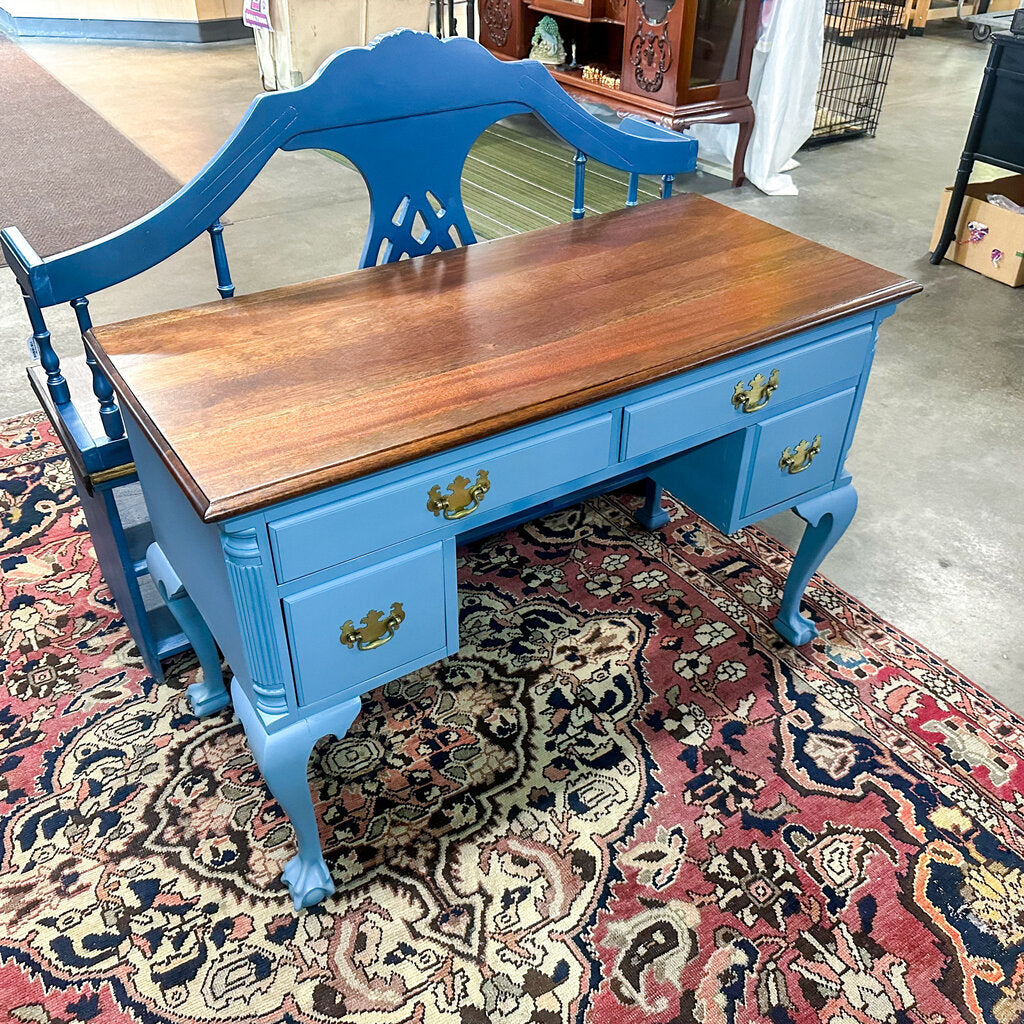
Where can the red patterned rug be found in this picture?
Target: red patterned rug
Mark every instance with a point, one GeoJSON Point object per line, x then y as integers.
{"type": "Point", "coordinates": [623, 801]}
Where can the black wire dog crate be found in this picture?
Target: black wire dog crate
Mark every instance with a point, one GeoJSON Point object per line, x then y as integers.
{"type": "Point", "coordinates": [860, 39]}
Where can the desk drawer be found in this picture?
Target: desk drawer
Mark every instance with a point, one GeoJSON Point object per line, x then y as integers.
{"type": "Point", "coordinates": [308, 541]}
{"type": "Point", "coordinates": [346, 634]}
{"type": "Point", "coordinates": [796, 435]}
{"type": "Point", "coordinates": [671, 418]}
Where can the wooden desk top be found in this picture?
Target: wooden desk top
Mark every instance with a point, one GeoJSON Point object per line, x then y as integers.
{"type": "Point", "coordinates": [254, 400]}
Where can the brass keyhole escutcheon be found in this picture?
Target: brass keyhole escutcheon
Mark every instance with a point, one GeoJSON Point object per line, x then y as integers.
{"type": "Point", "coordinates": [753, 396]}
{"type": "Point", "coordinates": [461, 498]}
{"type": "Point", "coordinates": [797, 460]}
{"type": "Point", "coordinates": [376, 630]}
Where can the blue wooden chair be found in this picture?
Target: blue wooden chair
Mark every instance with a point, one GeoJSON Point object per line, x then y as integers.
{"type": "Point", "coordinates": [405, 111]}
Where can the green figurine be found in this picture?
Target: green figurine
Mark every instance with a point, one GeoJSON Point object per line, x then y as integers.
{"type": "Point", "coordinates": [546, 45]}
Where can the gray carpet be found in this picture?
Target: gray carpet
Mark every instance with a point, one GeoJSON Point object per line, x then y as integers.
{"type": "Point", "coordinates": [66, 175]}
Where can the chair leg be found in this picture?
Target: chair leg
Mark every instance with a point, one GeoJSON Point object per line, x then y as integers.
{"type": "Point", "coordinates": [827, 518]}
{"type": "Point", "coordinates": [652, 515]}
{"type": "Point", "coordinates": [211, 694]}
{"type": "Point", "coordinates": [282, 756]}
{"type": "Point", "coordinates": [111, 546]}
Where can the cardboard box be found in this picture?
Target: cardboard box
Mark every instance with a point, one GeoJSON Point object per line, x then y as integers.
{"type": "Point", "coordinates": [988, 239]}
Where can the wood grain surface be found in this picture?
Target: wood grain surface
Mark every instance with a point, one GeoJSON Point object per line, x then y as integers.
{"type": "Point", "coordinates": [266, 397]}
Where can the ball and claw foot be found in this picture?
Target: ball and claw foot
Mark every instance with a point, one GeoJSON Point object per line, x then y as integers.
{"type": "Point", "coordinates": [827, 517]}
{"type": "Point", "coordinates": [308, 883]}
{"type": "Point", "coordinates": [283, 756]}
{"type": "Point", "coordinates": [796, 630]}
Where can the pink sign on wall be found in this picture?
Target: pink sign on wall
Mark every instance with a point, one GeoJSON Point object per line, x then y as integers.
{"type": "Point", "coordinates": [256, 14]}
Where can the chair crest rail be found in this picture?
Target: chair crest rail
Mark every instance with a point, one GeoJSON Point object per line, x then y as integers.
{"type": "Point", "coordinates": [400, 76]}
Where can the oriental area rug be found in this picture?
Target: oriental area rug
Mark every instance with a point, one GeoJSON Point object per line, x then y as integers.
{"type": "Point", "coordinates": [623, 801]}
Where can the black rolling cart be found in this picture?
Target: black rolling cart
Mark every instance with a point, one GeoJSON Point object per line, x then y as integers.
{"type": "Point", "coordinates": [996, 135]}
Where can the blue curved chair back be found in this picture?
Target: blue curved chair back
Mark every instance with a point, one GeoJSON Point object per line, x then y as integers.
{"type": "Point", "coordinates": [405, 111]}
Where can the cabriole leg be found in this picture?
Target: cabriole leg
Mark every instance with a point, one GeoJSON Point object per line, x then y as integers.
{"type": "Point", "coordinates": [739, 160]}
{"type": "Point", "coordinates": [211, 694]}
{"type": "Point", "coordinates": [827, 518]}
{"type": "Point", "coordinates": [652, 515]}
{"type": "Point", "coordinates": [282, 757]}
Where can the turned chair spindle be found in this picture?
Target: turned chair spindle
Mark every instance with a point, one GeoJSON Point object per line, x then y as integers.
{"type": "Point", "coordinates": [110, 415]}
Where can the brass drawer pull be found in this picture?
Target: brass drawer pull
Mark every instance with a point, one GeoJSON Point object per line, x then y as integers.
{"type": "Point", "coordinates": [753, 396]}
{"type": "Point", "coordinates": [801, 457]}
{"type": "Point", "coordinates": [376, 630]}
{"type": "Point", "coordinates": [461, 499]}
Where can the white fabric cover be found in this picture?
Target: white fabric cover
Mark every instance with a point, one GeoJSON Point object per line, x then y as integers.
{"type": "Point", "coordinates": [784, 77]}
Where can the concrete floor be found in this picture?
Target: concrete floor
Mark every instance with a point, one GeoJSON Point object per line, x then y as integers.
{"type": "Point", "coordinates": [936, 545]}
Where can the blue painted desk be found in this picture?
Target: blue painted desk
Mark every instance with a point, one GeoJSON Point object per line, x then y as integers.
{"type": "Point", "coordinates": [312, 456]}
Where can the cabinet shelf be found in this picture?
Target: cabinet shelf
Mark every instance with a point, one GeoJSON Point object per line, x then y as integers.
{"type": "Point", "coordinates": [690, 64]}
{"type": "Point", "coordinates": [558, 10]}
{"type": "Point", "coordinates": [574, 80]}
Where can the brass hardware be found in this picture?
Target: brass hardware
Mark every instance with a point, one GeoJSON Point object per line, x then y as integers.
{"type": "Point", "coordinates": [104, 476]}
{"type": "Point", "coordinates": [801, 457]}
{"type": "Point", "coordinates": [461, 499]}
{"type": "Point", "coordinates": [753, 396]}
{"type": "Point", "coordinates": [376, 630]}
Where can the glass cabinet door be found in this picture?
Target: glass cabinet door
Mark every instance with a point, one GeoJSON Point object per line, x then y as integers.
{"type": "Point", "coordinates": [716, 42]}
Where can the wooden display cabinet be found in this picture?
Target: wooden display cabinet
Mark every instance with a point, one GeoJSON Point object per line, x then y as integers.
{"type": "Point", "coordinates": [679, 62]}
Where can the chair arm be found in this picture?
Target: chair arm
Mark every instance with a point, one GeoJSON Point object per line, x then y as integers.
{"type": "Point", "coordinates": [26, 264]}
